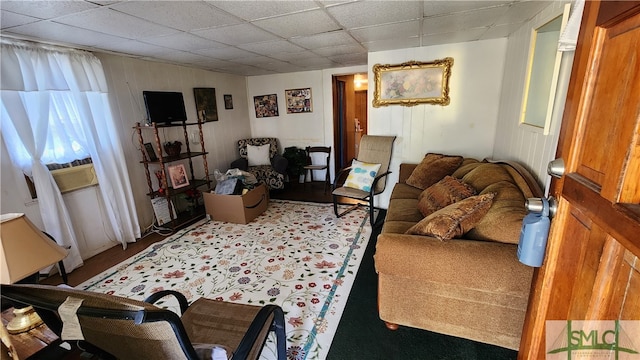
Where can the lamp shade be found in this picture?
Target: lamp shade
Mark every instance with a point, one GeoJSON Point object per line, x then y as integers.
{"type": "Point", "coordinates": [25, 249]}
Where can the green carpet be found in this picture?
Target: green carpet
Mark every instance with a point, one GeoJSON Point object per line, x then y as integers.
{"type": "Point", "coordinates": [362, 335]}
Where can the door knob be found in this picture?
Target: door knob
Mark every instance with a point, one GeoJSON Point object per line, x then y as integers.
{"type": "Point", "coordinates": [537, 205]}
{"type": "Point", "coordinates": [555, 168]}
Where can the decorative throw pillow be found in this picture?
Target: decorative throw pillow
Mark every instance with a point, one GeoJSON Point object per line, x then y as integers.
{"type": "Point", "coordinates": [454, 220]}
{"type": "Point", "coordinates": [361, 175]}
{"type": "Point", "coordinates": [258, 155]}
{"type": "Point", "coordinates": [443, 193]}
{"type": "Point", "coordinates": [432, 169]}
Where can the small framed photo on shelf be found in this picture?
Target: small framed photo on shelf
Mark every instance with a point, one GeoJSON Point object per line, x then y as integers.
{"type": "Point", "coordinates": [228, 102]}
{"type": "Point", "coordinates": [151, 154]}
{"type": "Point", "coordinates": [178, 176]}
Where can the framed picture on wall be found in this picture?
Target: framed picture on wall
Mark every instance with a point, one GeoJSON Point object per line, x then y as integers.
{"type": "Point", "coordinates": [298, 100]}
{"type": "Point", "coordinates": [266, 105]}
{"type": "Point", "coordinates": [412, 83]}
{"type": "Point", "coordinates": [228, 102]}
{"type": "Point", "coordinates": [206, 107]}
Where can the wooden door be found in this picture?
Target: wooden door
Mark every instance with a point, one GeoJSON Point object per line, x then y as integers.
{"type": "Point", "coordinates": [343, 120]}
{"type": "Point", "coordinates": [591, 270]}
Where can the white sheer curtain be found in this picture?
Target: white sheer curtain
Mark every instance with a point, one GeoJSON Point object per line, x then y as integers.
{"type": "Point", "coordinates": [55, 108]}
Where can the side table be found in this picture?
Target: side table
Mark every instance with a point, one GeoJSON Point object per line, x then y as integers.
{"type": "Point", "coordinates": [30, 342]}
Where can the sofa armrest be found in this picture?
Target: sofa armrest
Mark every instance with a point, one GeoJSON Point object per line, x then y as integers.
{"type": "Point", "coordinates": [242, 164]}
{"type": "Point", "coordinates": [458, 262]}
{"type": "Point", "coordinates": [405, 172]}
{"type": "Point", "coordinates": [279, 164]}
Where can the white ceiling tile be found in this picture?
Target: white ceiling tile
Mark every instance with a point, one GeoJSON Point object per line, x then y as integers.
{"type": "Point", "coordinates": [182, 57]}
{"type": "Point", "coordinates": [315, 62]}
{"type": "Point", "coordinates": [240, 69]}
{"type": "Point", "coordinates": [273, 65]}
{"type": "Point", "coordinates": [389, 31]}
{"type": "Point", "coordinates": [499, 31]}
{"type": "Point", "coordinates": [115, 23]}
{"type": "Point", "coordinates": [349, 59]}
{"type": "Point", "coordinates": [328, 3]}
{"type": "Point", "coordinates": [340, 50]}
{"type": "Point", "coordinates": [214, 63]}
{"type": "Point", "coordinates": [134, 47]}
{"type": "Point", "coordinates": [254, 10]}
{"type": "Point", "coordinates": [432, 8]}
{"type": "Point", "coordinates": [183, 41]}
{"type": "Point", "coordinates": [236, 34]}
{"type": "Point", "coordinates": [182, 15]}
{"type": "Point", "coordinates": [453, 37]}
{"type": "Point", "coordinates": [303, 55]}
{"type": "Point", "coordinates": [366, 13]}
{"type": "Point", "coordinates": [8, 19]}
{"type": "Point", "coordinates": [299, 24]}
{"type": "Point", "coordinates": [63, 34]}
{"type": "Point", "coordinates": [324, 39]}
{"type": "Point", "coordinates": [522, 11]}
{"type": "Point", "coordinates": [281, 67]}
{"type": "Point", "coordinates": [46, 9]}
{"type": "Point", "coordinates": [218, 35]}
{"type": "Point", "coordinates": [226, 53]}
{"type": "Point", "coordinates": [272, 47]}
{"type": "Point", "coordinates": [466, 20]}
{"type": "Point", "coordinates": [392, 44]}
{"type": "Point", "coordinates": [254, 60]}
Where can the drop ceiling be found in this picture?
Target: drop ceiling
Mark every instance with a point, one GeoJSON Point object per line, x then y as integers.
{"type": "Point", "coordinates": [260, 37]}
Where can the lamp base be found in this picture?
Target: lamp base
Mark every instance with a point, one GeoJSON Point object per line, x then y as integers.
{"type": "Point", "coordinates": [25, 319]}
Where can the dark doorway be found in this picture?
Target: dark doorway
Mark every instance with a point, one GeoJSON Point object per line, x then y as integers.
{"type": "Point", "coordinates": [349, 118]}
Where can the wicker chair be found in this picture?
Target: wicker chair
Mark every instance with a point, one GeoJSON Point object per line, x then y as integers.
{"type": "Point", "coordinates": [271, 175]}
{"type": "Point", "coordinates": [129, 329]}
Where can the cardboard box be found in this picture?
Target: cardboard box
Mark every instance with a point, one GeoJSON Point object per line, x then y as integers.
{"type": "Point", "coordinates": [239, 209]}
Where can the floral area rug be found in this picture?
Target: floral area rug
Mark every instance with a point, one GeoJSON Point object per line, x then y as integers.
{"type": "Point", "coordinates": [297, 255]}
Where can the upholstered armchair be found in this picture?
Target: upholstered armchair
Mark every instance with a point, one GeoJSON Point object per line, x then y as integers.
{"type": "Point", "coordinates": [260, 157]}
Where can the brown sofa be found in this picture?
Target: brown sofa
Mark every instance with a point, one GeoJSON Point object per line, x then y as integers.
{"type": "Point", "coordinates": [472, 287]}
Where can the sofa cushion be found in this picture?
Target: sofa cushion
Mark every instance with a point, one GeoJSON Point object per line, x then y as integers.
{"type": "Point", "coordinates": [455, 219]}
{"type": "Point", "coordinates": [258, 155]}
{"type": "Point", "coordinates": [404, 191]}
{"type": "Point", "coordinates": [503, 221]}
{"type": "Point", "coordinates": [361, 175]}
{"type": "Point", "coordinates": [485, 174]}
{"type": "Point", "coordinates": [467, 165]}
{"type": "Point", "coordinates": [403, 210]}
{"type": "Point", "coordinates": [396, 227]}
{"type": "Point", "coordinates": [432, 169]}
{"type": "Point", "coordinates": [443, 193]}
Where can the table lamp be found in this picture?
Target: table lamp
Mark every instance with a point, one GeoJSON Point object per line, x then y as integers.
{"type": "Point", "coordinates": [24, 251]}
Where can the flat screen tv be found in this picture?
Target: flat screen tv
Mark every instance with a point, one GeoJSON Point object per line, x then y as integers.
{"type": "Point", "coordinates": [164, 107]}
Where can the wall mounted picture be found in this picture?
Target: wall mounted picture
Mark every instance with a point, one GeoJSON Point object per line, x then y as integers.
{"type": "Point", "coordinates": [298, 100]}
{"type": "Point", "coordinates": [266, 105]}
{"type": "Point", "coordinates": [178, 176]}
{"type": "Point", "coordinates": [412, 83]}
{"type": "Point", "coordinates": [206, 107]}
{"type": "Point", "coordinates": [228, 102]}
